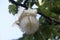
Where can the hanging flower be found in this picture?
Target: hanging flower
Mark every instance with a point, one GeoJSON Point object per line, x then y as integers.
{"type": "Point", "coordinates": [27, 21]}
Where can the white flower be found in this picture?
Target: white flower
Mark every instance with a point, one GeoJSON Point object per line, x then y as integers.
{"type": "Point", "coordinates": [28, 22]}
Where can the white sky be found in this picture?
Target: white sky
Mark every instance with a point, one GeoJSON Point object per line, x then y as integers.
{"type": "Point", "coordinates": [7, 32]}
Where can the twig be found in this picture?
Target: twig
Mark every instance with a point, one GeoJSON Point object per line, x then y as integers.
{"type": "Point", "coordinates": [12, 1]}
{"type": "Point", "coordinates": [50, 18]}
{"type": "Point", "coordinates": [25, 2]}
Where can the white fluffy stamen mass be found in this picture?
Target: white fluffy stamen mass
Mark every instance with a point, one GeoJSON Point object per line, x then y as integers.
{"type": "Point", "coordinates": [28, 22]}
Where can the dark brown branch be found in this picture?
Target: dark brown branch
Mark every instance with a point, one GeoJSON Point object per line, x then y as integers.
{"type": "Point", "coordinates": [49, 18]}
{"type": "Point", "coordinates": [25, 2]}
{"type": "Point", "coordinates": [12, 1]}
{"type": "Point", "coordinates": [56, 21]}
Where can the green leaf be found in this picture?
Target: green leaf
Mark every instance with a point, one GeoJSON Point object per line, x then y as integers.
{"type": "Point", "coordinates": [13, 9]}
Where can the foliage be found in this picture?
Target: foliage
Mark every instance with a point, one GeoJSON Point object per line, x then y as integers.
{"type": "Point", "coordinates": [50, 8]}
{"type": "Point", "coordinates": [13, 9]}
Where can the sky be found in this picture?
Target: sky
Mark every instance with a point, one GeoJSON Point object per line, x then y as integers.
{"type": "Point", "coordinates": [7, 30]}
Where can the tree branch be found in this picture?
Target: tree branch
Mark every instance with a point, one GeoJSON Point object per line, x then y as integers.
{"type": "Point", "coordinates": [25, 2]}
{"type": "Point", "coordinates": [49, 18]}
{"type": "Point", "coordinates": [12, 1]}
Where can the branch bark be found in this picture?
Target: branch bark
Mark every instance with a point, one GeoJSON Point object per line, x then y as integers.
{"type": "Point", "coordinates": [12, 1]}
{"type": "Point", "coordinates": [25, 2]}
